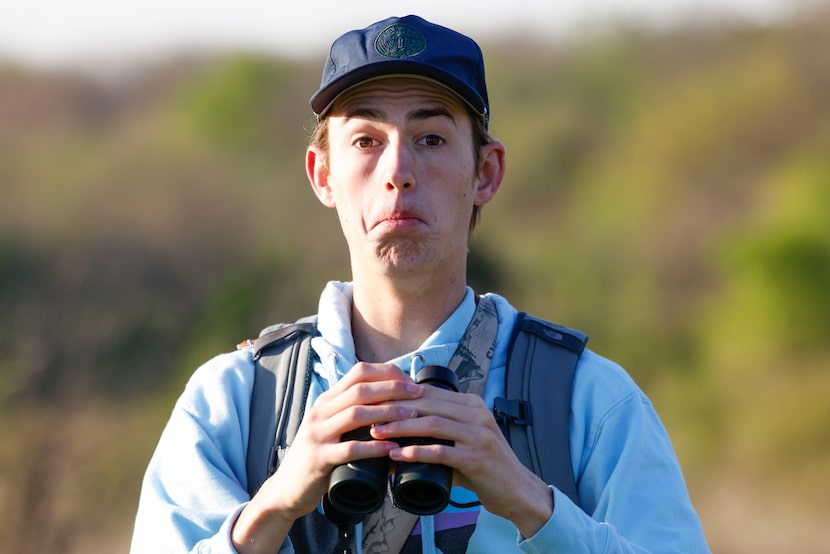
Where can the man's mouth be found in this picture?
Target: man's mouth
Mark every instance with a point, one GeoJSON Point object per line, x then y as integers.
{"type": "Point", "coordinates": [399, 220]}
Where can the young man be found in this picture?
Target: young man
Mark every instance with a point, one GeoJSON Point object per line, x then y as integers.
{"type": "Point", "coordinates": [402, 154]}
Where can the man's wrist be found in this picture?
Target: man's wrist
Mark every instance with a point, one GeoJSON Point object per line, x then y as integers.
{"type": "Point", "coordinates": [257, 528]}
{"type": "Point", "coordinates": [537, 513]}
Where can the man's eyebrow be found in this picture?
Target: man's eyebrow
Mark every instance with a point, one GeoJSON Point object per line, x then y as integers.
{"type": "Point", "coordinates": [363, 112]}
{"type": "Point", "coordinates": [427, 113]}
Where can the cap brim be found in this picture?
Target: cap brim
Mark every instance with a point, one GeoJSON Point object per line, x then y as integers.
{"type": "Point", "coordinates": [323, 99]}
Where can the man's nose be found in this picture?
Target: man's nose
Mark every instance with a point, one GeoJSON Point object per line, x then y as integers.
{"type": "Point", "coordinates": [399, 166]}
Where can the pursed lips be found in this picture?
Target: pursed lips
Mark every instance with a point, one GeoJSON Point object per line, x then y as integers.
{"type": "Point", "coordinates": [398, 219]}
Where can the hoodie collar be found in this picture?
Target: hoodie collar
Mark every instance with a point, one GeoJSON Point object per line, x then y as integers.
{"type": "Point", "coordinates": [335, 345]}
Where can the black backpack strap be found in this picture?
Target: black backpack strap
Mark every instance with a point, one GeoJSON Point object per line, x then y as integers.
{"type": "Point", "coordinates": [277, 385]}
{"type": "Point", "coordinates": [534, 413]}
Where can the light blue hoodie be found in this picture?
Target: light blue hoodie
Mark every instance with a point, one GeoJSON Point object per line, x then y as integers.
{"type": "Point", "coordinates": [633, 495]}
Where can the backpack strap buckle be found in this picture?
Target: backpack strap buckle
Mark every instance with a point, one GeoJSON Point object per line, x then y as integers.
{"type": "Point", "coordinates": [509, 411]}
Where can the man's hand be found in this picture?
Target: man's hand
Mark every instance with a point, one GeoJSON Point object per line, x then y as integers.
{"type": "Point", "coordinates": [482, 458]}
{"type": "Point", "coordinates": [368, 394]}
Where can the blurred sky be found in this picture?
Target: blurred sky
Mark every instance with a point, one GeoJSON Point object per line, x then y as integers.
{"type": "Point", "coordinates": [56, 32]}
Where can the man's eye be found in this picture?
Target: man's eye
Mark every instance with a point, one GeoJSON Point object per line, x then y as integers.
{"type": "Point", "coordinates": [364, 142]}
{"type": "Point", "coordinates": [432, 140]}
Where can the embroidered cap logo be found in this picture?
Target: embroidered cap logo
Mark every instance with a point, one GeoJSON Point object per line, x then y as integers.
{"type": "Point", "coordinates": [400, 41]}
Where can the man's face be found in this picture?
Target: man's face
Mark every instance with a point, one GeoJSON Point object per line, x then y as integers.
{"type": "Point", "coordinates": [402, 174]}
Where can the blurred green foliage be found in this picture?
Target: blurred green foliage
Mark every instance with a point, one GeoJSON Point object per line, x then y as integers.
{"type": "Point", "coordinates": [666, 193]}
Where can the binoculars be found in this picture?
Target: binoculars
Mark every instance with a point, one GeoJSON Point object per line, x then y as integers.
{"type": "Point", "coordinates": [356, 489]}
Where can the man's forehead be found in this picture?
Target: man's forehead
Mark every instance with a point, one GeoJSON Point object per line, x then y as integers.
{"type": "Point", "coordinates": [397, 89]}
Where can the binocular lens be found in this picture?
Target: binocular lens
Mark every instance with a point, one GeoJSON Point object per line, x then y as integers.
{"type": "Point", "coordinates": [359, 487]}
{"type": "Point", "coordinates": [423, 495]}
{"type": "Point", "coordinates": [355, 497]}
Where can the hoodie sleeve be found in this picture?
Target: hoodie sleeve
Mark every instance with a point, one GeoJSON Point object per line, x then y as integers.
{"type": "Point", "coordinates": [632, 493]}
{"type": "Point", "coordinates": [196, 484]}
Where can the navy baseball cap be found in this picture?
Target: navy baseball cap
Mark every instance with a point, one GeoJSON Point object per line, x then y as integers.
{"type": "Point", "coordinates": [405, 46]}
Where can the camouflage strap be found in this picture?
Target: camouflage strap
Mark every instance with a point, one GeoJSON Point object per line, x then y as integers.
{"type": "Point", "coordinates": [387, 529]}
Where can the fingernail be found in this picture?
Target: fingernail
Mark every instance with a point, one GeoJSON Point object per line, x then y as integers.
{"type": "Point", "coordinates": [412, 388]}
{"type": "Point", "coordinates": [408, 413]}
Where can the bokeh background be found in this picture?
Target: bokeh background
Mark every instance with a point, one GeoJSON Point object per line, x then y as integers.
{"type": "Point", "coordinates": [667, 192]}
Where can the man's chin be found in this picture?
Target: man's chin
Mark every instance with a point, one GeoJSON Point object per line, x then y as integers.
{"type": "Point", "coordinates": [403, 257]}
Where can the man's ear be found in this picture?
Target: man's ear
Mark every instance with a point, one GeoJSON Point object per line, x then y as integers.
{"type": "Point", "coordinates": [316, 167]}
{"type": "Point", "coordinates": [491, 168]}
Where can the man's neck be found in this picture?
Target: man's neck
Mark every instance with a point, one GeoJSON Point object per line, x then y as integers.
{"type": "Point", "coordinates": [389, 321]}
